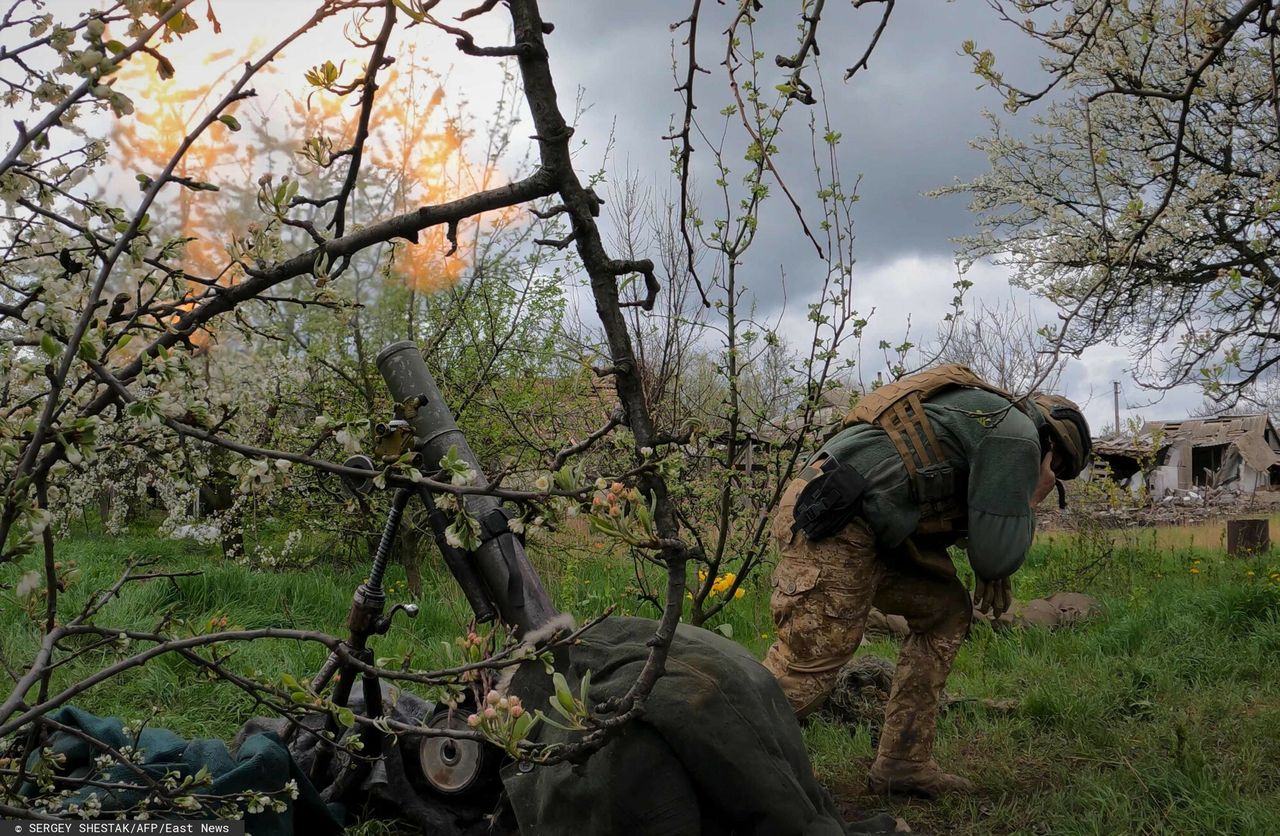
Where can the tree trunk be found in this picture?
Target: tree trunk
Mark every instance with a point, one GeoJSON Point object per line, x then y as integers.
{"type": "Point", "coordinates": [105, 497]}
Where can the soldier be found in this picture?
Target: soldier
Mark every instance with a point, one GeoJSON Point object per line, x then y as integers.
{"type": "Point", "coordinates": [921, 463]}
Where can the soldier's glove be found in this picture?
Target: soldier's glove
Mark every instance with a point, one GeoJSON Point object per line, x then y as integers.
{"type": "Point", "coordinates": [992, 597]}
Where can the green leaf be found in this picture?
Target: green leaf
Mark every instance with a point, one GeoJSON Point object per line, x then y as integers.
{"type": "Point", "coordinates": [564, 478]}
{"type": "Point", "coordinates": [181, 23]}
{"type": "Point", "coordinates": [563, 694]}
{"type": "Point", "coordinates": [230, 121]}
{"type": "Point", "coordinates": [50, 346]}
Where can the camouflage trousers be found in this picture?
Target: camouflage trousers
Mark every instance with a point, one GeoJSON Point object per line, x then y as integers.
{"type": "Point", "coordinates": [822, 593]}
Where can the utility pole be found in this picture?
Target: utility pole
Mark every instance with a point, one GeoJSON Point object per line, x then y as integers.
{"type": "Point", "coordinates": [1115, 384]}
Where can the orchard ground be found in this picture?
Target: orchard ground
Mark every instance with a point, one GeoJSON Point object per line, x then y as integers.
{"type": "Point", "coordinates": [1160, 716]}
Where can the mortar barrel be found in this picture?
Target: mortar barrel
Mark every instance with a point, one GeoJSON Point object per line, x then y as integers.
{"type": "Point", "coordinates": [510, 579]}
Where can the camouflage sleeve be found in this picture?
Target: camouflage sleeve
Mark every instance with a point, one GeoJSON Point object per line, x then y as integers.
{"type": "Point", "coordinates": [1003, 471]}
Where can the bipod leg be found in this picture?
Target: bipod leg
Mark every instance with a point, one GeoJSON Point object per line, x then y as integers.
{"type": "Point", "coordinates": [360, 762]}
{"type": "Point", "coordinates": [328, 742]}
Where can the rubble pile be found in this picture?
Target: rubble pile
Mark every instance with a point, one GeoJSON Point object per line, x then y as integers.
{"type": "Point", "coordinates": [1178, 507]}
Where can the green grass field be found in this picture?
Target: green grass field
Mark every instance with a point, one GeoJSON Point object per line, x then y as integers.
{"type": "Point", "coordinates": [1161, 716]}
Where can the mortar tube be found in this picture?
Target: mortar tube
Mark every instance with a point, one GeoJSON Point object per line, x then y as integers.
{"type": "Point", "coordinates": [458, 562]}
{"type": "Point", "coordinates": [512, 583]}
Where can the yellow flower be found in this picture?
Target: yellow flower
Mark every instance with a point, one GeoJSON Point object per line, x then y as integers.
{"type": "Point", "coordinates": [1249, 574]}
{"type": "Point", "coordinates": [723, 583]}
{"type": "Point", "coordinates": [739, 593]}
{"type": "Point", "coordinates": [1195, 571]}
{"type": "Point", "coordinates": [764, 635]}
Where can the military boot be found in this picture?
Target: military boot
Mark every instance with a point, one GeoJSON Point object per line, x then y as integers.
{"type": "Point", "coordinates": [891, 776]}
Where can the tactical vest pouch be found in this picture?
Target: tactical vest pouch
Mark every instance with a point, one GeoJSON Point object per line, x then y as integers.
{"type": "Point", "coordinates": [830, 500]}
{"type": "Point", "coordinates": [936, 485]}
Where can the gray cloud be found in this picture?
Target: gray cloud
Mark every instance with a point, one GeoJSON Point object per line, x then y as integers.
{"type": "Point", "coordinates": [907, 120]}
{"type": "Point", "coordinates": [907, 123]}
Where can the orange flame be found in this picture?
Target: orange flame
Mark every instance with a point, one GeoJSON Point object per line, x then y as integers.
{"type": "Point", "coordinates": [414, 156]}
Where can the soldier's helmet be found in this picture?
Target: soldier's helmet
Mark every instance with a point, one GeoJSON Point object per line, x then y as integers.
{"type": "Point", "coordinates": [1069, 431]}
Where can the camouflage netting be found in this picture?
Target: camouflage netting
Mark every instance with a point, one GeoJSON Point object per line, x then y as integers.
{"type": "Point", "coordinates": [861, 691]}
{"type": "Point", "coordinates": [717, 752]}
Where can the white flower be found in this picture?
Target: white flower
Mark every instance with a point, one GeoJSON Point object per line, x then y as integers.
{"type": "Point", "coordinates": [349, 442]}
{"type": "Point", "coordinates": [464, 476]}
{"type": "Point", "coordinates": [40, 520]}
{"type": "Point", "coordinates": [542, 483]}
{"type": "Point", "coordinates": [29, 583]}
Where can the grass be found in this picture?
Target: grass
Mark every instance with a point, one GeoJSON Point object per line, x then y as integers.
{"type": "Point", "coordinates": [1161, 716]}
{"type": "Point", "coordinates": [1204, 536]}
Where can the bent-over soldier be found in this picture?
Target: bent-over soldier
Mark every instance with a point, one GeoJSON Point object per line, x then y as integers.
{"type": "Point", "coordinates": [921, 463]}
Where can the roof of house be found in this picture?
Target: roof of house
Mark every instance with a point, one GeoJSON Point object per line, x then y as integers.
{"type": "Point", "coordinates": [839, 397]}
{"type": "Point", "coordinates": [1247, 432]}
{"type": "Point", "coordinates": [1203, 432]}
{"type": "Point", "coordinates": [1257, 451]}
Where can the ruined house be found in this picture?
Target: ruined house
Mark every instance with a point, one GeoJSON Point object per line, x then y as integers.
{"type": "Point", "coordinates": [1233, 452]}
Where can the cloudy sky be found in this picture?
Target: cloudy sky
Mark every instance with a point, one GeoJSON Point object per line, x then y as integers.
{"type": "Point", "coordinates": [907, 122]}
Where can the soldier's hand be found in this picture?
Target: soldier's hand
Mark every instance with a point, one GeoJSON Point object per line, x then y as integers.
{"type": "Point", "coordinates": [992, 597]}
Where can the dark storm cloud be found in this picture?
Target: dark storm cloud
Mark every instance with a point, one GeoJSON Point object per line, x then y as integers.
{"type": "Point", "coordinates": [907, 120]}
{"type": "Point", "coordinates": [907, 123]}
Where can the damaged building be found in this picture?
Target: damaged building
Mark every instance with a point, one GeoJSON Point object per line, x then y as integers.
{"type": "Point", "coordinates": [1232, 452]}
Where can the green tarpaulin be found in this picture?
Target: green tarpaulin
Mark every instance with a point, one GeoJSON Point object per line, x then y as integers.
{"type": "Point", "coordinates": [261, 764]}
